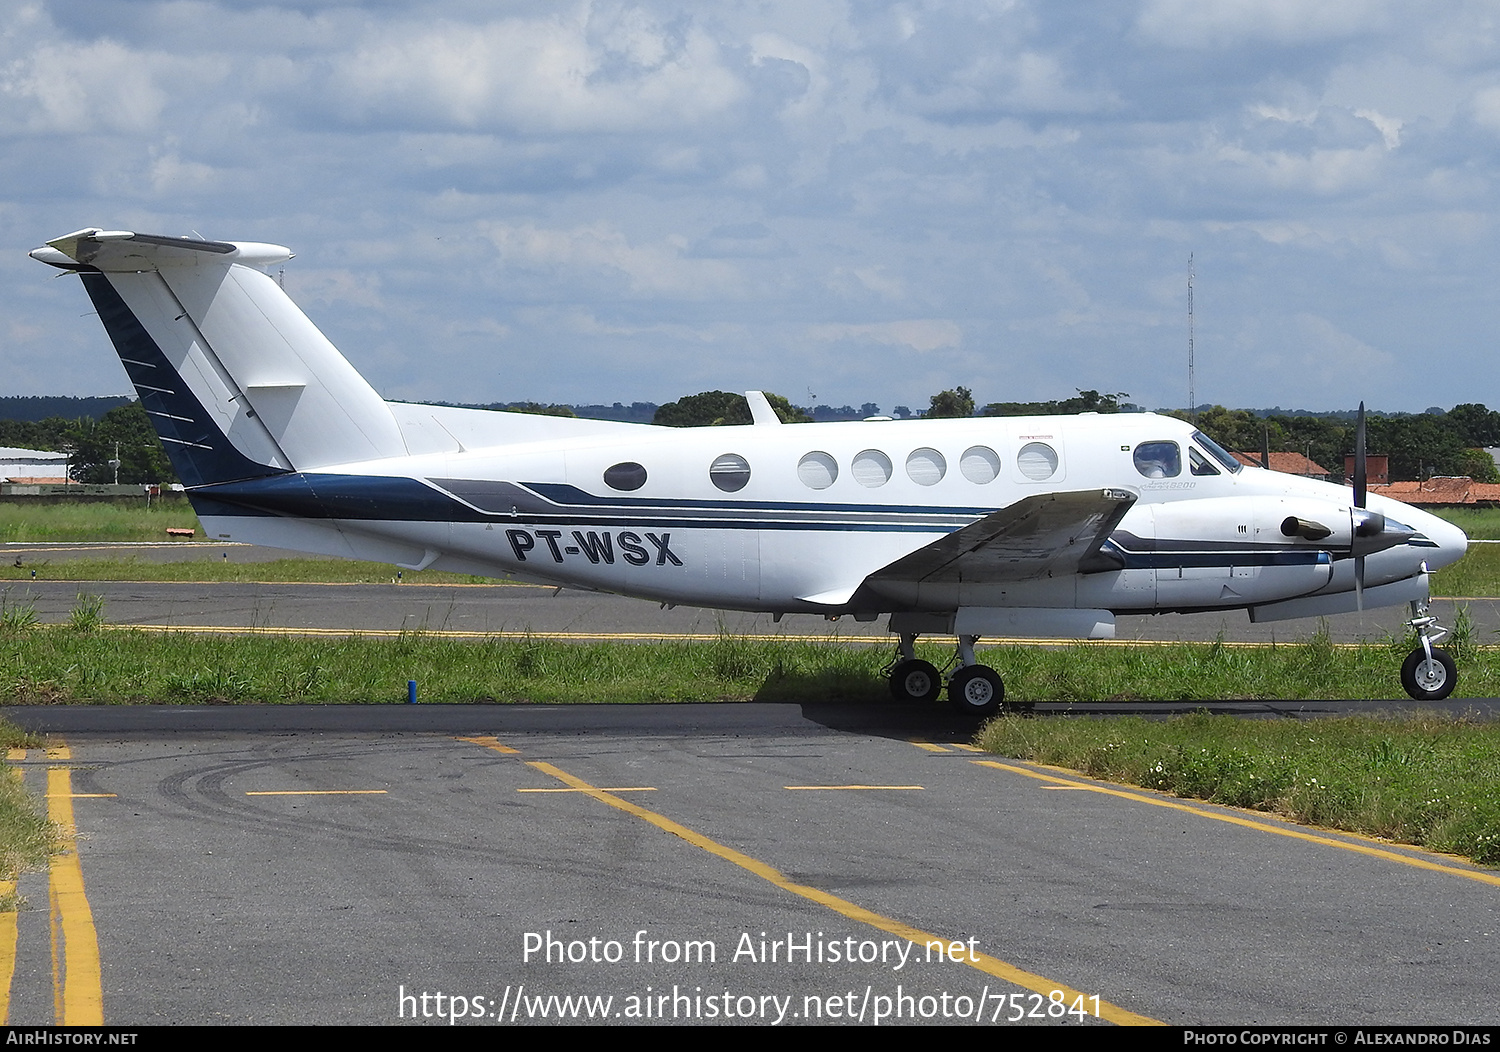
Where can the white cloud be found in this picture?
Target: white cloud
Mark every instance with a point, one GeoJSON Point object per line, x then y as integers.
{"type": "Point", "coordinates": [99, 87]}
{"type": "Point", "coordinates": [656, 268]}
{"type": "Point", "coordinates": [1224, 23]}
{"type": "Point", "coordinates": [918, 334]}
{"type": "Point", "coordinates": [1487, 108]}
{"type": "Point", "coordinates": [550, 75]}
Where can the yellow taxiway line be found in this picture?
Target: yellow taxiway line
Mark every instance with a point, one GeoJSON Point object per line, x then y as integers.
{"type": "Point", "coordinates": [688, 637]}
{"type": "Point", "coordinates": [76, 981]}
{"type": "Point", "coordinates": [983, 962]}
{"type": "Point", "coordinates": [1295, 833]}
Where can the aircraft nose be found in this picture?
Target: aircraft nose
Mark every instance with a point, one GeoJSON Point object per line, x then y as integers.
{"type": "Point", "coordinates": [1451, 541]}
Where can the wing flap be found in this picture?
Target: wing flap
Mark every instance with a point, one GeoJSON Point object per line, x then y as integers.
{"type": "Point", "coordinates": [1045, 535]}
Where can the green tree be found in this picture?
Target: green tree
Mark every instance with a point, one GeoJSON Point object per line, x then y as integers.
{"type": "Point", "coordinates": [956, 403]}
{"type": "Point", "coordinates": [538, 409]}
{"type": "Point", "coordinates": [709, 408]}
{"type": "Point", "coordinates": [1475, 424]}
{"type": "Point", "coordinates": [142, 458]}
{"type": "Point", "coordinates": [1085, 402]}
{"type": "Point", "coordinates": [52, 433]}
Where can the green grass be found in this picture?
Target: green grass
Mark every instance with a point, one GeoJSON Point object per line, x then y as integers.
{"type": "Point", "coordinates": [1481, 523]}
{"type": "Point", "coordinates": [1425, 779]}
{"type": "Point", "coordinates": [1475, 576]}
{"type": "Point", "coordinates": [79, 663]}
{"type": "Point", "coordinates": [27, 838]}
{"type": "Point", "coordinates": [90, 521]}
{"type": "Point", "coordinates": [212, 567]}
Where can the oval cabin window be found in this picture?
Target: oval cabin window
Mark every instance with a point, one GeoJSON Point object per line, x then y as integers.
{"type": "Point", "coordinates": [926, 467]}
{"type": "Point", "coordinates": [980, 465]}
{"type": "Point", "coordinates": [627, 476]}
{"type": "Point", "coordinates": [817, 470]}
{"type": "Point", "coordinates": [730, 472]}
{"type": "Point", "coordinates": [871, 468]}
{"type": "Point", "coordinates": [1037, 461]}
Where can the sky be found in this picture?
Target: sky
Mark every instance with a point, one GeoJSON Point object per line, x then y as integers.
{"type": "Point", "coordinates": [838, 202]}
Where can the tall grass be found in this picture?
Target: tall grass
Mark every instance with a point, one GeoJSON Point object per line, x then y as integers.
{"type": "Point", "coordinates": [1422, 779]}
{"type": "Point", "coordinates": [95, 521]}
{"type": "Point", "coordinates": [54, 664]}
{"type": "Point", "coordinates": [26, 836]}
{"type": "Point", "coordinates": [1476, 522]}
{"type": "Point", "coordinates": [1476, 575]}
{"type": "Point", "coordinates": [208, 564]}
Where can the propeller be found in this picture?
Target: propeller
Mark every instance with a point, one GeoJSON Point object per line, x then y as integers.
{"type": "Point", "coordinates": [1361, 498]}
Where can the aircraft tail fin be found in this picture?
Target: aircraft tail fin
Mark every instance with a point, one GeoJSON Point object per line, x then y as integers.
{"type": "Point", "coordinates": [238, 381]}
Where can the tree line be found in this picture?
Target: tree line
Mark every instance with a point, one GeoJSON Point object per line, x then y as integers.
{"type": "Point", "coordinates": [1418, 445]}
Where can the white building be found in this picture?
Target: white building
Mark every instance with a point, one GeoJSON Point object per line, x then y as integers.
{"type": "Point", "coordinates": [32, 465]}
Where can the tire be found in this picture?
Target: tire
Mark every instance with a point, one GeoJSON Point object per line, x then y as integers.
{"type": "Point", "coordinates": [915, 680]}
{"type": "Point", "coordinates": [976, 690]}
{"type": "Point", "coordinates": [1428, 680]}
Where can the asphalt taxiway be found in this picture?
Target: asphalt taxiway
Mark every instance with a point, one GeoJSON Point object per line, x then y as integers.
{"type": "Point", "coordinates": [683, 863]}
{"type": "Point", "coordinates": [698, 863]}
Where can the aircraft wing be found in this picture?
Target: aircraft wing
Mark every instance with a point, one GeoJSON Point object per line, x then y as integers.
{"type": "Point", "coordinates": [1046, 535]}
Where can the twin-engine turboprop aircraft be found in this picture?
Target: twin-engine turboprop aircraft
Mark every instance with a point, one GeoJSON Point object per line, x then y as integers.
{"type": "Point", "coordinates": [1039, 527]}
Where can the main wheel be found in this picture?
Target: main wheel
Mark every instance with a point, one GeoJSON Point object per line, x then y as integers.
{"type": "Point", "coordinates": [1429, 679]}
{"type": "Point", "coordinates": [915, 680]}
{"type": "Point", "coordinates": [976, 690]}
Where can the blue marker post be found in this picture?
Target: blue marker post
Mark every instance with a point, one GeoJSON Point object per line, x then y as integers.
{"type": "Point", "coordinates": [411, 692]}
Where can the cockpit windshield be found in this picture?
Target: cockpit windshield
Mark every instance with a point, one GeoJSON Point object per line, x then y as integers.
{"type": "Point", "coordinates": [1216, 451]}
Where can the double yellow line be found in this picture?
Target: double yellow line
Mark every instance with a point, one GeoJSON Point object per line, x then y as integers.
{"type": "Point", "coordinates": [77, 987]}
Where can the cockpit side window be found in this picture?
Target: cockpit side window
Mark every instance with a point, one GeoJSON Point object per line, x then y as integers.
{"type": "Point", "coordinates": [1158, 460]}
{"type": "Point", "coordinates": [1216, 451]}
{"type": "Point", "coordinates": [1199, 464]}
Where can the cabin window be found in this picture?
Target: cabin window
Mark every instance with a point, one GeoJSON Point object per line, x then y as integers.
{"type": "Point", "coordinates": [730, 472]}
{"type": "Point", "coordinates": [872, 468]}
{"type": "Point", "coordinates": [1037, 461]}
{"type": "Point", "coordinates": [817, 470]}
{"type": "Point", "coordinates": [980, 465]}
{"type": "Point", "coordinates": [926, 467]}
{"type": "Point", "coordinates": [627, 476]}
{"type": "Point", "coordinates": [1199, 464]}
{"type": "Point", "coordinates": [1158, 460]}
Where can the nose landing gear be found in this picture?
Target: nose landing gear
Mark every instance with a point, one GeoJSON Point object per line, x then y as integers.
{"type": "Point", "coordinates": [1428, 673]}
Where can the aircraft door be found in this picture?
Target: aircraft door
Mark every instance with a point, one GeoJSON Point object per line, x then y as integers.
{"type": "Point", "coordinates": [731, 565]}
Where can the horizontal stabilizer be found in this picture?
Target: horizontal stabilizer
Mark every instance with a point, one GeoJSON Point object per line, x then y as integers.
{"type": "Point", "coordinates": [197, 323]}
{"type": "Point", "coordinates": [125, 250]}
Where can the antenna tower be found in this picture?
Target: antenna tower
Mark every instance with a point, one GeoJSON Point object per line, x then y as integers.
{"type": "Point", "coordinates": [1192, 390]}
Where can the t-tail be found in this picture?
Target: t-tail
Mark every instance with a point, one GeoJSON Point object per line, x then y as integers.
{"type": "Point", "coordinates": [238, 382]}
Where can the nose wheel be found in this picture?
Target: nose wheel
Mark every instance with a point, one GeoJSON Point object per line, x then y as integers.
{"type": "Point", "coordinates": [1429, 677]}
{"type": "Point", "coordinates": [1428, 673]}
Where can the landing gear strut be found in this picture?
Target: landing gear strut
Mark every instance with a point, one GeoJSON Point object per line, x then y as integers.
{"type": "Point", "coordinates": [973, 689]}
{"type": "Point", "coordinates": [1428, 673]}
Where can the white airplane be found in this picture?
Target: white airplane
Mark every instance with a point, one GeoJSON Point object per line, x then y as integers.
{"type": "Point", "coordinates": [1035, 527]}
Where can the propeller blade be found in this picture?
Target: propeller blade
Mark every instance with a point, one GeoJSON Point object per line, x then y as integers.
{"type": "Point", "coordinates": [1359, 459]}
{"type": "Point", "coordinates": [1360, 497]}
{"type": "Point", "coordinates": [1359, 583]}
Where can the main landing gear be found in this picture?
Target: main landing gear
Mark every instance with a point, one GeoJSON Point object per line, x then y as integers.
{"type": "Point", "coordinates": [973, 689]}
{"type": "Point", "coordinates": [1428, 673]}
